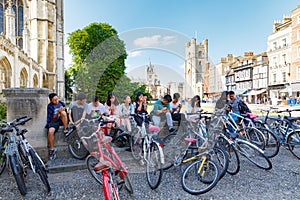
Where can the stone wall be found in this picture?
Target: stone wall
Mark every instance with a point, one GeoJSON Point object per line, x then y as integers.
{"type": "Point", "coordinates": [31, 102]}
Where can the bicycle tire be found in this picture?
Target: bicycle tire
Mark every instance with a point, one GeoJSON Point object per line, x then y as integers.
{"type": "Point", "coordinates": [233, 157]}
{"type": "Point", "coordinates": [256, 137]}
{"type": "Point", "coordinates": [127, 183]}
{"type": "Point", "coordinates": [253, 154]}
{"type": "Point", "coordinates": [220, 157]}
{"type": "Point", "coordinates": [76, 147]}
{"type": "Point", "coordinates": [40, 169]}
{"type": "Point", "coordinates": [175, 150]}
{"type": "Point", "coordinates": [208, 177]}
{"type": "Point", "coordinates": [293, 142]}
{"type": "Point", "coordinates": [272, 144]}
{"type": "Point", "coordinates": [136, 144]}
{"type": "Point", "coordinates": [91, 161]}
{"type": "Point", "coordinates": [17, 171]}
{"type": "Point", "coordinates": [122, 140]}
{"type": "Point", "coordinates": [154, 169]}
{"type": "Point", "coordinates": [2, 154]}
{"type": "Point", "coordinates": [169, 158]}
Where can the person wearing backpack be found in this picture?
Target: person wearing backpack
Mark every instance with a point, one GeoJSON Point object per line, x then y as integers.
{"type": "Point", "coordinates": [237, 106]}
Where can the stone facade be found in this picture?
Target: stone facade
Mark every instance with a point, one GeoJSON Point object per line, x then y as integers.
{"type": "Point", "coordinates": [279, 53]}
{"type": "Point", "coordinates": [32, 45]}
{"type": "Point", "coordinates": [196, 68]}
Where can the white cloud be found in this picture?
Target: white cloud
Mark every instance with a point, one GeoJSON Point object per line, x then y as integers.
{"type": "Point", "coordinates": [133, 54]}
{"type": "Point", "coordinates": [155, 40]}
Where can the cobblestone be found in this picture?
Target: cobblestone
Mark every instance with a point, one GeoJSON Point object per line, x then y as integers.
{"type": "Point", "coordinates": [281, 182]}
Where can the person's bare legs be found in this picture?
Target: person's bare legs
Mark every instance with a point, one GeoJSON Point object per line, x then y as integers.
{"type": "Point", "coordinates": [64, 119]}
{"type": "Point", "coordinates": [51, 137]}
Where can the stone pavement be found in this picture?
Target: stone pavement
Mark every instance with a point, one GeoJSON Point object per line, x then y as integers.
{"type": "Point", "coordinates": [281, 182]}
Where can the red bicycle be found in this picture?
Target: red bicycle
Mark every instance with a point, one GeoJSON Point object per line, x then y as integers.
{"type": "Point", "coordinates": [103, 162]}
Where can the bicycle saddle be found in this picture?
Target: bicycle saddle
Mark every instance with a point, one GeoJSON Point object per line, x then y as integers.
{"type": "Point", "coordinates": [154, 128]}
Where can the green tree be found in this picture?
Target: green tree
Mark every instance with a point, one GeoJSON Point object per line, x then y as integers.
{"type": "Point", "coordinates": [98, 57]}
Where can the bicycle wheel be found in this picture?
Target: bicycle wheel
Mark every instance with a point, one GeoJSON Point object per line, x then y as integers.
{"type": "Point", "coordinates": [174, 150]}
{"type": "Point", "coordinates": [272, 143]}
{"type": "Point", "coordinates": [168, 151]}
{"type": "Point", "coordinates": [2, 153]}
{"type": "Point", "coordinates": [233, 158]}
{"type": "Point", "coordinates": [127, 182]}
{"type": "Point", "coordinates": [91, 161]}
{"type": "Point", "coordinates": [199, 178]}
{"type": "Point", "coordinates": [76, 148]}
{"type": "Point", "coordinates": [136, 144]}
{"type": "Point", "coordinates": [110, 188]}
{"type": "Point", "coordinates": [122, 140]}
{"type": "Point", "coordinates": [40, 169]}
{"type": "Point", "coordinates": [253, 154]}
{"type": "Point", "coordinates": [17, 170]}
{"type": "Point", "coordinates": [153, 169]}
{"type": "Point", "coordinates": [256, 137]}
{"type": "Point", "coordinates": [293, 142]}
{"type": "Point", "coordinates": [220, 157]}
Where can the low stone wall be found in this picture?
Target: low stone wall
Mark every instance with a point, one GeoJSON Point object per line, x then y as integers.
{"type": "Point", "coordinates": [33, 102]}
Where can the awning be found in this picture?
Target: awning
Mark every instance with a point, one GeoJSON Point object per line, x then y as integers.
{"type": "Point", "coordinates": [256, 92]}
{"type": "Point", "coordinates": [294, 87]}
{"type": "Point", "coordinates": [240, 92]}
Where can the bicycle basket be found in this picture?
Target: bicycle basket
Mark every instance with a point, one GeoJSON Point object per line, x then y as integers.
{"type": "Point", "coordinates": [85, 129]}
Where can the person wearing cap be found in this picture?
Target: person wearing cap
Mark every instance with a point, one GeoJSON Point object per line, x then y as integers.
{"type": "Point", "coordinates": [161, 110]}
{"type": "Point", "coordinates": [78, 109]}
{"type": "Point", "coordinates": [140, 108]}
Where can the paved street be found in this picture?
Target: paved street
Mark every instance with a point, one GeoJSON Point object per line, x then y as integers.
{"type": "Point", "coordinates": [281, 182]}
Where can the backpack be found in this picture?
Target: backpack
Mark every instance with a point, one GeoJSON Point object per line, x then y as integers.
{"type": "Point", "coordinates": [243, 108]}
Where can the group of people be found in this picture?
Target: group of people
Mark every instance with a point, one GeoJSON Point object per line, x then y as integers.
{"type": "Point", "coordinates": [164, 109]}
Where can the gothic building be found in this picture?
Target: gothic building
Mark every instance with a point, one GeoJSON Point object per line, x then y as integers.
{"type": "Point", "coordinates": [32, 44]}
{"type": "Point", "coordinates": [196, 68]}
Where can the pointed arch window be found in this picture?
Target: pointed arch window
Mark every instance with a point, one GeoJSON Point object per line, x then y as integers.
{"type": "Point", "coordinates": [23, 78]}
{"type": "Point", "coordinates": [18, 7]}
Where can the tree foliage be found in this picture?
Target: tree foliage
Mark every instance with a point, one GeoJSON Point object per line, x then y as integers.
{"type": "Point", "coordinates": [98, 57]}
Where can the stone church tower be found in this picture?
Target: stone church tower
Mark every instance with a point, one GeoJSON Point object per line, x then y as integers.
{"type": "Point", "coordinates": [32, 44]}
{"type": "Point", "coordinates": [195, 68]}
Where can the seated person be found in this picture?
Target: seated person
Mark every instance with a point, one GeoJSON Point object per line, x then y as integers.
{"type": "Point", "coordinates": [77, 109]}
{"type": "Point", "coordinates": [161, 110]}
{"type": "Point", "coordinates": [140, 108]}
{"type": "Point", "coordinates": [95, 108]}
{"type": "Point", "coordinates": [194, 106]}
{"type": "Point", "coordinates": [126, 109]}
{"type": "Point", "coordinates": [56, 116]}
{"type": "Point", "coordinates": [175, 106]}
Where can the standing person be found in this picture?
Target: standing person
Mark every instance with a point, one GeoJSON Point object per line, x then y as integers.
{"type": "Point", "coordinates": [111, 104]}
{"type": "Point", "coordinates": [95, 108]}
{"type": "Point", "coordinates": [161, 110]}
{"type": "Point", "coordinates": [126, 109]}
{"type": "Point", "coordinates": [140, 108]}
{"type": "Point", "coordinates": [78, 109]}
{"type": "Point", "coordinates": [194, 105]}
{"type": "Point", "coordinates": [56, 116]}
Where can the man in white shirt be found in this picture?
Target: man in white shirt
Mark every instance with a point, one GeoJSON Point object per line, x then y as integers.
{"type": "Point", "coordinates": [95, 108]}
{"type": "Point", "coordinates": [175, 107]}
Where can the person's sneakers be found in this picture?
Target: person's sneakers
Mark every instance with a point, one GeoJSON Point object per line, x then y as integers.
{"type": "Point", "coordinates": [52, 154]}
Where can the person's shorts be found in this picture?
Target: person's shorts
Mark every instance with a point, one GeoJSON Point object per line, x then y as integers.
{"type": "Point", "coordinates": [55, 124]}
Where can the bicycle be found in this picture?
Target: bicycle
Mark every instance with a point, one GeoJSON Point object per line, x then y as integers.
{"type": "Point", "coordinates": [202, 175]}
{"type": "Point", "coordinates": [193, 140]}
{"type": "Point", "coordinates": [103, 163]}
{"type": "Point", "coordinates": [30, 156]}
{"type": "Point", "coordinates": [13, 158]}
{"type": "Point", "coordinates": [146, 146]}
{"type": "Point", "coordinates": [253, 153]}
{"type": "Point", "coordinates": [283, 128]}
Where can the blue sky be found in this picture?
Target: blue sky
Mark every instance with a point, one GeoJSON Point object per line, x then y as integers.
{"type": "Point", "coordinates": [231, 26]}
